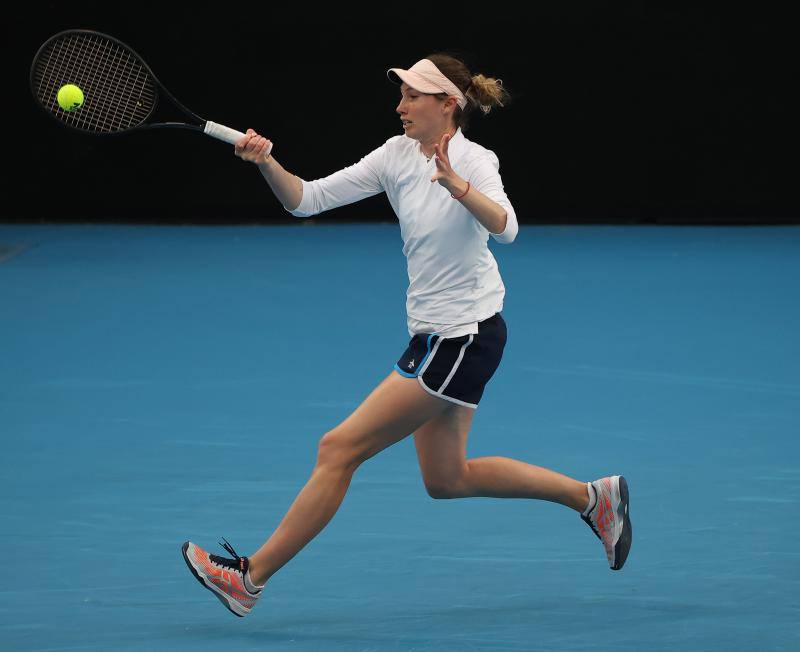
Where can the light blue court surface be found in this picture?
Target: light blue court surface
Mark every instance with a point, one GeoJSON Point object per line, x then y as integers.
{"type": "Point", "coordinates": [159, 384]}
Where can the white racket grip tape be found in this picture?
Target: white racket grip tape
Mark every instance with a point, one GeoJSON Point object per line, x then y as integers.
{"type": "Point", "coordinates": [221, 132]}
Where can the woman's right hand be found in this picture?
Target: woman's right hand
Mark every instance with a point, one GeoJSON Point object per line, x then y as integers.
{"type": "Point", "coordinates": [252, 147]}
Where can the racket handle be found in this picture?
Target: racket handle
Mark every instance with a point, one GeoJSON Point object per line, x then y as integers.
{"type": "Point", "coordinates": [221, 132]}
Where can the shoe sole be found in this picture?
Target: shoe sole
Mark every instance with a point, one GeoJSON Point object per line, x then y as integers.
{"type": "Point", "coordinates": [211, 587]}
{"type": "Point", "coordinates": [623, 545]}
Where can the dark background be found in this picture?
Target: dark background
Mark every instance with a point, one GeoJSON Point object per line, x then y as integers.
{"type": "Point", "coordinates": [621, 113]}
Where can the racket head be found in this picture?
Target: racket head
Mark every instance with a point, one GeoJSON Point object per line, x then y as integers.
{"type": "Point", "coordinates": [120, 91]}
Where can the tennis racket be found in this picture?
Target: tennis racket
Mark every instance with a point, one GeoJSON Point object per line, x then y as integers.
{"type": "Point", "coordinates": [121, 93]}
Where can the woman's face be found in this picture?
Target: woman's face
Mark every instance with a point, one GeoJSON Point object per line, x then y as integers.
{"type": "Point", "coordinates": [424, 116]}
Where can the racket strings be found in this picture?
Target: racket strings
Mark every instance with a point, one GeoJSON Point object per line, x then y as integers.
{"type": "Point", "coordinates": [118, 91]}
{"type": "Point", "coordinates": [100, 114]}
{"type": "Point", "coordinates": [55, 70]}
{"type": "Point", "coordinates": [118, 79]}
{"type": "Point", "coordinates": [120, 83]}
{"type": "Point", "coordinates": [75, 50]}
{"type": "Point", "coordinates": [112, 101]}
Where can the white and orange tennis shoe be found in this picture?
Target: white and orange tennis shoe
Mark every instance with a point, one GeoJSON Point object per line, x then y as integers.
{"type": "Point", "coordinates": [609, 518]}
{"type": "Point", "coordinates": [224, 577]}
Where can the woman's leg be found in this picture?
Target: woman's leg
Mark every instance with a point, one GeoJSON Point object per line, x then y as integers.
{"type": "Point", "coordinates": [442, 451]}
{"type": "Point", "coordinates": [393, 410]}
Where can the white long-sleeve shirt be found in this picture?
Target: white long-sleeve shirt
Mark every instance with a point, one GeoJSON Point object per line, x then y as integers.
{"type": "Point", "coordinates": [454, 281]}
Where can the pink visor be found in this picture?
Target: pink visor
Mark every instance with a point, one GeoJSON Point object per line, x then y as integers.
{"type": "Point", "coordinates": [425, 77]}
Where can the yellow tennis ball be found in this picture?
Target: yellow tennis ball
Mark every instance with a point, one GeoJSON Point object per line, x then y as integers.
{"type": "Point", "coordinates": [70, 97]}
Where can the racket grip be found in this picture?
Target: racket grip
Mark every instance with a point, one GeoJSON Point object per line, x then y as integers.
{"type": "Point", "coordinates": [221, 132]}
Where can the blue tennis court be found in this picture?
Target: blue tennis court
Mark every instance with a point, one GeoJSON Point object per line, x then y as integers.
{"type": "Point", "coordinates": [160, 384]}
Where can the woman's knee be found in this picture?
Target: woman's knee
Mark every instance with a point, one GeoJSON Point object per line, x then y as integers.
{"type": "Point", "coordinates": [335, 450]}
{"type": "Point", "coordinates": [438, 491]}
{"type": "Point", "coordinates": [448, 481]}
{"type": "Point", "coordinates": [442, 488]}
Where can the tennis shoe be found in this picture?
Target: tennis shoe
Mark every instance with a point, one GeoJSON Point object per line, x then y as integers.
{"type": "Point", "coordinates": [222, 576]}
{"type": "Point", "coordinates": [610, 520]}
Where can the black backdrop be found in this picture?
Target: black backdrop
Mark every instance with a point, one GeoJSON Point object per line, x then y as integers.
{"type": "Point", "coordinates": [627, 112]}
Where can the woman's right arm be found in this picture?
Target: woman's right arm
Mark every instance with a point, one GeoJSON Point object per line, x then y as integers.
{"type": "Point", "coordinates": [305, 198]}
{"type": "Point", "coordinates": [287, 187]}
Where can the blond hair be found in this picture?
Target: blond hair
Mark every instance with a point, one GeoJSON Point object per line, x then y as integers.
{"type": "Point", "coordinates": [482, 92]}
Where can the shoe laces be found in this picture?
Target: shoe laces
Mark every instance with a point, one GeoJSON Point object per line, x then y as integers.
{"type": "Point", "coordinates": [238, 563]}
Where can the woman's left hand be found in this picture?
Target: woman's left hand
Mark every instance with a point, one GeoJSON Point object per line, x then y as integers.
{"type": "Point", "coordinates": [444, 173]}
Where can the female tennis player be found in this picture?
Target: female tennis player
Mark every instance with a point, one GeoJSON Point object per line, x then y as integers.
{"type": "Point", "coordinates": [448, 196]}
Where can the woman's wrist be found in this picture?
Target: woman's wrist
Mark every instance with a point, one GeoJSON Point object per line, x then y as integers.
{"type": "Point", "coordinates": [458, 190]}
{"type": "Point", "coordinates": [266, 163]}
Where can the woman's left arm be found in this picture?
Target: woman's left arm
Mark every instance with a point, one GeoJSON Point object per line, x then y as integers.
{"type": "Point", "coordinates": [489, 205]}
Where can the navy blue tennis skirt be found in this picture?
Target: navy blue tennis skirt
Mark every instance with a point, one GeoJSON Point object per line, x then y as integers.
{"type": "Point", "coordinates": [458, 368]}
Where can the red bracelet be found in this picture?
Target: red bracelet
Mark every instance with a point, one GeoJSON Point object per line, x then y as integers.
{"type": "Point", "coordinates": [462, 194]}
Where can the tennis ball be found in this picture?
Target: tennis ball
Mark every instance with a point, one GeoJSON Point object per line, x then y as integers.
{"type": "Point", "coordinates": [70, 97]}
